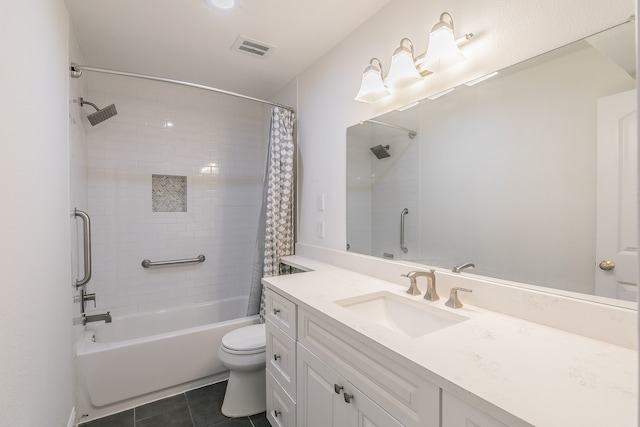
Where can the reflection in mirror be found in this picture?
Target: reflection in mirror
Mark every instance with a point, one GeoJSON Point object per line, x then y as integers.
{"type": "Point", "coordinates": [511, 173]}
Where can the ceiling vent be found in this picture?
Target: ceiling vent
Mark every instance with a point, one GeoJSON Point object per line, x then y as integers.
{"type": "Point", "coordinates": [252, 47]}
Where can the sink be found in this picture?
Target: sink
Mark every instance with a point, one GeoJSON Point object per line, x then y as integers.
{"type": "Point", "coordinates": [409, 318]}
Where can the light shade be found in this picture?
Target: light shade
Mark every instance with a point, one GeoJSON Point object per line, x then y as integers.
{"type": "Point", "coordinates": [403, 71]}
{"type": "Point", "coordinates": [443, 51]}
{"type": "Point", "coordinates": [372, 88]}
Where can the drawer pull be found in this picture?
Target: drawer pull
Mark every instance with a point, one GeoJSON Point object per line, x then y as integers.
{"type": "Point", "coordinates": [276, 310]}
{"type": "Point", "coordinates": [338, 388]}
{"type": "Point", "coordinates": [276, 357]}
{"type": "Point", "coordinates": [276, 413]}
{"type": "Point", "coordinates": [348, 397]}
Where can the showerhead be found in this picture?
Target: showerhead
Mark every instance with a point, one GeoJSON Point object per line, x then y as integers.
{"type": "Point", "coordinates": [380, 151]}
{"type": "Point", "coordinates": [101, 114]}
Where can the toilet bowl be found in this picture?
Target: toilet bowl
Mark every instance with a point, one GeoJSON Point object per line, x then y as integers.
{"type": "Point", "coordinates": [242, 352]}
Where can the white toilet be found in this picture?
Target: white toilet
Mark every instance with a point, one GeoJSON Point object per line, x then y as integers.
{"type": "Point", "coordinates": [243, 353]}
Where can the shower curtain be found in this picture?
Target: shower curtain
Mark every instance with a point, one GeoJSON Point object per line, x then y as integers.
{"type": "Point", "coordinates": [276, 231]}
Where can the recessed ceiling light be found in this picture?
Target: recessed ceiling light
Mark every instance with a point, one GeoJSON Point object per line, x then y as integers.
{"type": "Point", "coordinates": [221, 4]}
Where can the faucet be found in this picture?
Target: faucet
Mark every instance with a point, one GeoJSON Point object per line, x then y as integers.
{"type": "Point", "coordinates": [97, 317]}
{"type": "Point", "coordinates": [459, 268]}
{"type": "Point", "coordinates": [454, 301]}
{"type": "Point", "coordinates": [431, 293]}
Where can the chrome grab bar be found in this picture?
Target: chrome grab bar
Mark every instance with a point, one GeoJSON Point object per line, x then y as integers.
{"type": "Point", "coordinates": [403, 248]}
{"type": "Point", "coordinates": [146, 263]}
{"type": "Point", "coordinates": [86, 227]}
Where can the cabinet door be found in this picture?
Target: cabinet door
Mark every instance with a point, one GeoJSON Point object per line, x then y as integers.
{"type": "Point", "coordinates": [317, 403]}
{"type": "Point", "coordinates": [456, 413]}
{"type": "Point", "coordinates": [365, 412]}
{"type": "Point", "coordinates": [326, 399]}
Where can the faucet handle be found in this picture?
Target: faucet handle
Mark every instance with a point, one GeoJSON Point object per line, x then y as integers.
{"type": "Point", "coordinates": [89, 297]}
{"type": "Point", "coordinates": [454, 301]}
{"type": "Point", "coordinates": [413, 285]}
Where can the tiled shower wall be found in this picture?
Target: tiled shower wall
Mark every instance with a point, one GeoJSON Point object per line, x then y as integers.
{"type": "Point", "coordinates": [219, 144]}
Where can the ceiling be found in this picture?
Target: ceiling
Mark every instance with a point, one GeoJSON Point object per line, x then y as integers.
{"type": "Point", "coordinates": [188, 40]}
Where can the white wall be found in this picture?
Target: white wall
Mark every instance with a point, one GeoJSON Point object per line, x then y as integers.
{"type": "Point", "coordinates": [36, 361]}
{"type": "Point", "coordinates": [506, 32]}
{"type": "Point", "coordinates": [219, 143]}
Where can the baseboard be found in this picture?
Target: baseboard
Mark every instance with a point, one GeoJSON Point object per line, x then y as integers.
{"type": "Point", "coordinates": [72, 418]}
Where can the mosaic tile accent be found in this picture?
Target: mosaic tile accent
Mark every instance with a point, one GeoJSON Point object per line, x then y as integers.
{"type": "Point", "coordinates": [168, 193]}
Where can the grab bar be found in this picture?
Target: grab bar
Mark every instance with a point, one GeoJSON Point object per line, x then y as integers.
{"type": "Point", "coordinates": [86, 227]}
{"type": "Point", "coordinates": [403, 248]}
{"type": "Point", "coordinates": [146, 263]}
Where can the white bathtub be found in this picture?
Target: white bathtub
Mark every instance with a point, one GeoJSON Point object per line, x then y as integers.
{"type": "Point", "coordinates": [143, 354]}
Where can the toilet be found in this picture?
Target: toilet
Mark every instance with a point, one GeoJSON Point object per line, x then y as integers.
{"type": "Point", "coordinates": [242, 352]}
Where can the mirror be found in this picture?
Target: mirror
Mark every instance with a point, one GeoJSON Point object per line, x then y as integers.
{"type": "Point", "coordinates": [502, 173]}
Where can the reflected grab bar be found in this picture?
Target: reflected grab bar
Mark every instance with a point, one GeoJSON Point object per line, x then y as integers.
{"type": "Point", "coordinates": [86, 227]}
{"type": "Point", "coordinates": [403, 248]}
{"type": "Point", "coordinates": [146, 263]}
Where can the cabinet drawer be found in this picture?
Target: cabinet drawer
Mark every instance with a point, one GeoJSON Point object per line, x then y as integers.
{"type": "Point", "coordinates": [281, 312]}
{"type": "Point", "coordinates": [281, 410]}
{"type": "Point", "coordinates": [281, 358]}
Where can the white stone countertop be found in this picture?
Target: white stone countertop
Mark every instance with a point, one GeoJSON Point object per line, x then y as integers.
{"type": "Point", "coordinates": [516, 371]}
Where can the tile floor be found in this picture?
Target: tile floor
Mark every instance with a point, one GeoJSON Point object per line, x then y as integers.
{"type": "Point", "coordinates": [195, 408]}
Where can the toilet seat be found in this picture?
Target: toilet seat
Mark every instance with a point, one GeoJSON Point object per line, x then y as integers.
{"type": "Point", "coordinates": [245, 340]}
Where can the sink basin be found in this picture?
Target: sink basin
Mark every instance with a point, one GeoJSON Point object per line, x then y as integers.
{"type": "Point", "coordinates": [409, 318]}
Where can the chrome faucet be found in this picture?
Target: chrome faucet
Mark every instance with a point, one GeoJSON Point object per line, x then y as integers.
{"type": "Point", "coordinates": [459, 268]}
{"type": "Point", "coordinates": [97, 318]}
{"type": "Point", "coordinates": [431, 293]}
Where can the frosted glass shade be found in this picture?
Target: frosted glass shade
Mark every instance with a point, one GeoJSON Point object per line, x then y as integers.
{"type": "Point", "coordinates": [443, 51]}
{"type": "Point", "coordinates": [403, 71]}
{"type": "Point", "coordinates": [372, 88]}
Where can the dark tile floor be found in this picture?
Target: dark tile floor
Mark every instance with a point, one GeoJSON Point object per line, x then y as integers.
{"type": "Point", "coordinates": [195, 408]}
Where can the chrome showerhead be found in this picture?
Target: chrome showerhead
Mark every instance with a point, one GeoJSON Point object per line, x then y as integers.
{"type": "Point", "coordinates": [380, 151]}
{"type": "Point", "coordinates": [101, 114]}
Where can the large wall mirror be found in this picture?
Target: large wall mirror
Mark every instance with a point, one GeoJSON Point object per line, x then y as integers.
{"type": "Point", "coordinates": [530, 174]}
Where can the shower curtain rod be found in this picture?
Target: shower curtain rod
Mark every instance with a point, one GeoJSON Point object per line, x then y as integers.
{"type": "Point", "coordinates": [76, 72]}
{"type": "Point", "coordinates": [412, 133]}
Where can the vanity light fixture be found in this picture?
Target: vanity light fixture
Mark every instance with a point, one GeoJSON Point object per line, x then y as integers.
{"type": "Point", "coordinates": [220, 4]}
{"type": "Point", "coordinates": [443, 50]}
{"type": "Point", "coordinates": [403, 71]}
{"type": "Point", "coordinates": [372, 88]}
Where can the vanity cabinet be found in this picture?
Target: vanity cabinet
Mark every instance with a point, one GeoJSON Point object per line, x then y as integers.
{"type": "Point", "coordinates": [457, 413]}
{"type": "Point", "coordinates": [280, 355]}
{"type": "Point", "coordinates": [327, 399]}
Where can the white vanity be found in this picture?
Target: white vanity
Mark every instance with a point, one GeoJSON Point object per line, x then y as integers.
{"type": "Point", "coordinates": [348, 349]}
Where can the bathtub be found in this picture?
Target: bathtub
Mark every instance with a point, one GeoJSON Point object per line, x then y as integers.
{"type": "Point", "coordinates": [143, 354]}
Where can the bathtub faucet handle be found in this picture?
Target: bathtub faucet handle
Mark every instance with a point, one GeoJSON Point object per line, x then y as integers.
{"type": "Point", "coordinates": [89, 297]}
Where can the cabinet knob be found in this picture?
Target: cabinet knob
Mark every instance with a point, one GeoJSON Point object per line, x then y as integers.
{"type": "Point", "coordinates": [338, 388]}
{"type": "Point", "coordinates": [276, 357]}
{"type": "Point", "coordinates": [276, 310]}
{"type": "Point", "coordinates": [276, 413]}
{"type": "Point", "coordinates": [348, 397]}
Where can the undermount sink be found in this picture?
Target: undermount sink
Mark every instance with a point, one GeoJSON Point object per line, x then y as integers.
{"type": "Point", "coordinates": [409, 318]}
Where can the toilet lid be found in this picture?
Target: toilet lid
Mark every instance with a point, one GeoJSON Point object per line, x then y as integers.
{"type": "Point", "coordinates": [246, 339]}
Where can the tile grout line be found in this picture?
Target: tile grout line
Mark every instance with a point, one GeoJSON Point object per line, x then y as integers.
{"type": "Point", "coordinates": [193, 423]}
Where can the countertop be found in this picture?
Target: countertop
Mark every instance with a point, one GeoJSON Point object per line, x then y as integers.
{"type": "Point", "coordinates": [512, 369]}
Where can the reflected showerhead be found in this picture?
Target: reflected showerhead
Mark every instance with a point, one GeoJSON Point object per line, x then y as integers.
{"type": "Point", "coordinates": [101, 114]}
{"type": "Point", "coordinates": [380, 151]}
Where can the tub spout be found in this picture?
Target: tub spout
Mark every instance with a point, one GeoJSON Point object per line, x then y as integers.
{"type": "Point", "coordinates": [97, 317]}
